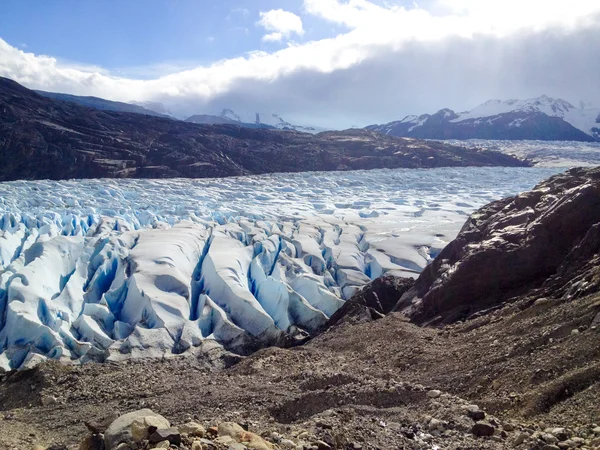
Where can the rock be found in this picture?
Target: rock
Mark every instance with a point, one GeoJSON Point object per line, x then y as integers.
{"type": "Point", "coordinates": [99, 426]}
{"type": "Point", "coordinates": [230, 429]}
{"type": "Point", "coordinates": [560, 433]}
{"type": "Point", "coordinates": [321, 445]}
{"type": "Point", "coordinates": [550, 447]}
{"type": "Point", "coordinates": [595, 442]}
{"type": "Point", "coordinates": [122, 429]}
{"type": "Point", "coordinates": [434, 393]}
{"type": "Point", "coordinates": [49, 400]}
{"type": "Point", "coordinates": [549, 438]}
{"type": "Point", "coordinates": [38, 447]}
{"type": "Point", "coordinates": [508, 426]}
{"type": "Point", "coordinates": [287, 443]}
{"type": "Point", "coordinates": [520, 438]}
{"type": "Point", "coordinates": [596, 430]}
{"type": "Point", "coordinates": [551, 234]}
{"type": "Point", "coordinates": [481, 429]}
{"type": "Point", "coordinates": [373, 301]}
{"type": "Point", "coordinates": [237, 446]}
{"type": "Point", "coordinates": [93, 442]}
{"type": "Point", "coordinates": [474, 412]}
{"type": "Point", "coordinates": [163, 444]}
{"type": "Point", "coordinates": [166, 434]}
{"type": "Point", "coordinates": [574, 332]}
{"type": "Point", "coordinates": [225, 440]}
{"type": "Point", "coordinates": [435, 424]}
{"type": "Point", "coordinates": [192, 429]}
{"type": "Point", "coordinates": [254, 441]}
{"type": "Point", "coordinates": [203, 444]}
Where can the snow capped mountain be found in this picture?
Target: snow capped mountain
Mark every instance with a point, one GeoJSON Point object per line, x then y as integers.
{"type": "Point", "coordinates": [542, 118]}
{"type": "Point", "coordinates": [255, 120]}
{"type": "Point", "coordinates": [114, 269]}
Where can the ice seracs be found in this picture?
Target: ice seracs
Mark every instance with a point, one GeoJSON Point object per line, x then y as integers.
{"type": "Point", "coordinates": [114, 269]}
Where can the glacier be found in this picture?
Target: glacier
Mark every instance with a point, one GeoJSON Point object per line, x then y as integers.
{"type": "Point", "coordinates": [105, 270]}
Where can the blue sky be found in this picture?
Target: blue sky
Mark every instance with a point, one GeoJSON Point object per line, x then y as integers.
{"type": "Point", "coordinates": [145, 37]}
{"type": "Point", "coordinates": [331, 63]}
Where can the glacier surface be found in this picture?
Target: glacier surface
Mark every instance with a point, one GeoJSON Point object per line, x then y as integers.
{"type": "Point", "coordinates": [96, 270]}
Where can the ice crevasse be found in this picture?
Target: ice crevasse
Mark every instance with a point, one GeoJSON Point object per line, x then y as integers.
{"type": "Point", "coordinates": [97, 270]}
{"type": "Point", "coordinates": [102, 290]}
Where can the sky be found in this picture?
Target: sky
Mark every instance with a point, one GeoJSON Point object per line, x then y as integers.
{"type": "Point", "coordinates": [329, 63]}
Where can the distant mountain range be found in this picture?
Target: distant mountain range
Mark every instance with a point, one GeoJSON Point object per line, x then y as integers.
{"type": "Point", "coordinates": [101, 104]}
{"type": "Point", "coordinates": [259, 120]}
{"type": "Point", "coordinates": [541, 118]}
{"type": "Point", "coordinates": [227, 116]}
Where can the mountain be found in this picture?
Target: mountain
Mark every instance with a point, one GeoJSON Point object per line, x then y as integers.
{"type": "Point", "coordinates": [257, 121]}
{"type": "Point", "coordinates": [542, 118]}
{"type": "Point", "coordinates": [156, 107]}
{"type": "Point", "coordinates": [100, 103]}
{"type": "Point", "coordinates": [45, 138]}
{"type": "Point", "coordinates": [208, 119]}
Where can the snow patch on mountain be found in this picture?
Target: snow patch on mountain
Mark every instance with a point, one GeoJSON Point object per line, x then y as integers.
{"type": "Point", "coordinates": [582, 118]}
{"type": "Point", "coordinates": [112, 269]}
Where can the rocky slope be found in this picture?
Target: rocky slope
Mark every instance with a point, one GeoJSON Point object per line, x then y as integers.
{"type": "Point", "coordinates": [542, 243]}
{"type": "Point", "coordinates": [541, 118]}
{"type": "Point", "coordinates": [46, 138]}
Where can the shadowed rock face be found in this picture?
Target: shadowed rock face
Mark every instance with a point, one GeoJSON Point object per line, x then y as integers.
{"type": "Point", "coordinates": [46, 138]}
{"type": "Point", "coordinates": [372, 302]}
{"type": "Point", "coordinates": [540, 243]}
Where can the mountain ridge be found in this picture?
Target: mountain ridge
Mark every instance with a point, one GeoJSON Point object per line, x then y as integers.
{"type": "Point", "coordinates": [540, 118]}
{"type": "Point", "coordinates": [45, 138]}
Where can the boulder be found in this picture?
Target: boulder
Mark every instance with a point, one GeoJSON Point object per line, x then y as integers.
{"type": "Point", "coordinates": [132, 427]}
{"type": "Point", "coordinates": [171, 435]}
{"type": "Point", "coordinates": [546, 238]}
{"type": "Point", "coordinates": [482, 429]}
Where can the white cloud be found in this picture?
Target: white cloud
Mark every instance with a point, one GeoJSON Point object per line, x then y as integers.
{"type": "Point", "coordinates": [280, 24]}
{"type": "Point", "coordinates": [389, 62]}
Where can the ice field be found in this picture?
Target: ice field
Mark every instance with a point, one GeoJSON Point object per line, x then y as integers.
{"type": "Point", "coordinates": [111, 269]}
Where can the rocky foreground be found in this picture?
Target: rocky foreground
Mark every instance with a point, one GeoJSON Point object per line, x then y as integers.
{"type": "Point", "coordinates": [44, 138]}
{"type": "Point", "coordinates": [495, 346]}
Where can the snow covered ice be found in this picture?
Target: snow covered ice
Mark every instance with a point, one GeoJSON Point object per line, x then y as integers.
{"type": "Point", "coordinates": [112, 269]}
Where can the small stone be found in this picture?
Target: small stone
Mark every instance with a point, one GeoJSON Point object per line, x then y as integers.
{"type": "Point", "coordinates": [550, 447]}
{"type": "Point", "coordinates": [230, 429]}
{"type": "Point", "coordinates": [508, 427]}
{"type": "Point", "coordinates": [434, 393]}
{"type": "Point", "coordinates": [38, 447]}
{"type": "Point", "coordinates": [596, 430]}
{"type": "Point", "coordinates": [287, 443]}
{"type": "Point", "coordinates": [237, 446]}
{"type": "Point", "coordinates": [482, 429]}
{"type": "Point", "coordinates": [560, 433]}
{"type": "Point", "coordinates": [224, 440]}
{"type": "Point", "coordinates": [192, 429]}
{"type": "Point", "coordinates": [435, 424]}
{"type": "Point", "coordinates": [596, 442]}
{"type": "Point", "coordinates": [520, 438]}
{"type": "Point", "coordinates": [49, 400]}
{"type": "Point", "coordinates": [474, 412]}
{"type": "Point", "coordinates": [167, 434]}
{"type": "Point", "coordinates": [163, 444]}
{"type": "Point", "coordinates": [549, 438]}
{"type": "Point", "coordinates": [197, 445]}
{"type": "Point", "coordinates": [322, 445]}
{"type": "Point", "coordinates": [574, 331]}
